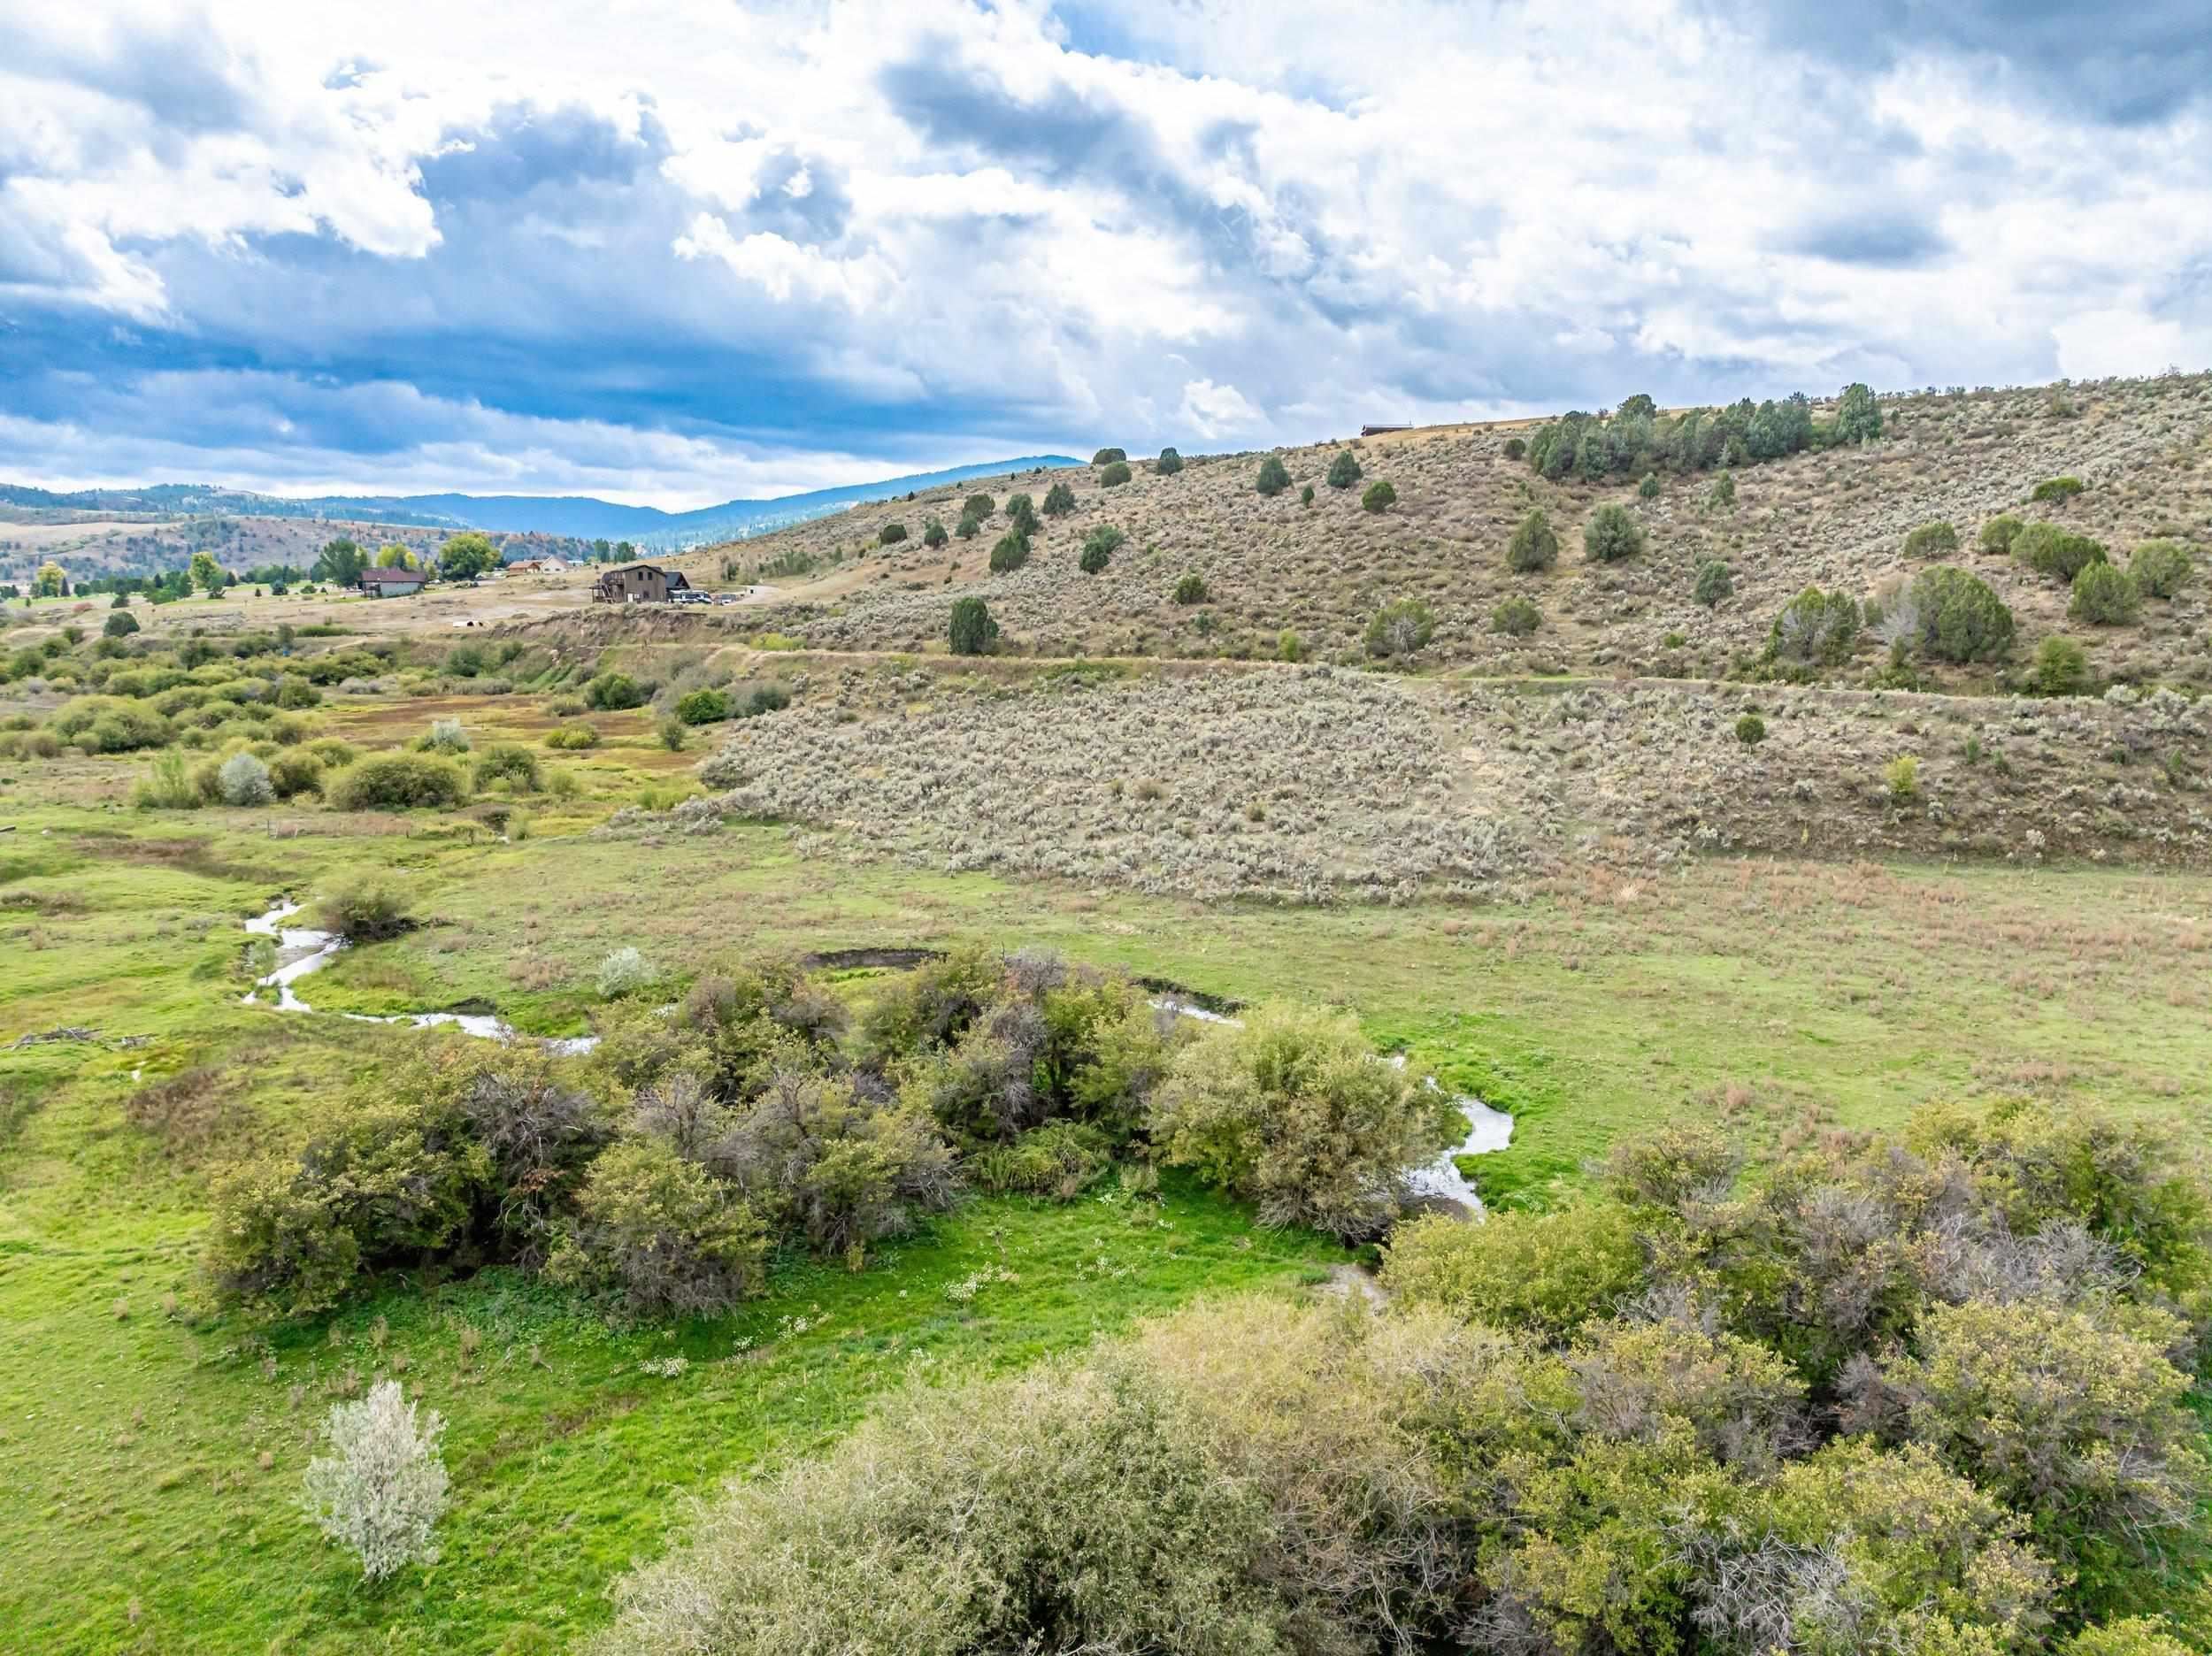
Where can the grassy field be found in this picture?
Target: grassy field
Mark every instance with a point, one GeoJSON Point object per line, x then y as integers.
{"type": "Point", "coordinates": [154, 1449]}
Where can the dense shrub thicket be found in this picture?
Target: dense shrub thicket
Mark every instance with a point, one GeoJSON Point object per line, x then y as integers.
{"type": "Point", "coordinates": [1637, 439]}
{"type": "Point", "coordinates": [665, 1172]}
{"type": "Point", "coordinates": [1925, 1396]}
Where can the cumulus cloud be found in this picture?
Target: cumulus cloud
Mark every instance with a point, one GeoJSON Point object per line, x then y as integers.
{"type": "Point", "coordinates": [696, 234]}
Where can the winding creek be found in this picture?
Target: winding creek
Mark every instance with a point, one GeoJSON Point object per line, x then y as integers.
{"type": "Point", "coordinates": [303, 950]}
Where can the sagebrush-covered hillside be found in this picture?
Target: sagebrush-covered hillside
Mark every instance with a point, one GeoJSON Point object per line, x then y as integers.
{"type": "Point", "coordinates": [1837, 518]}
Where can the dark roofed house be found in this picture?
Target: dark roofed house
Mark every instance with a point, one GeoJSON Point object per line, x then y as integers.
{"type": "Point", "coordinates": [392, 583]}
{"type": "Point", "coordinates": [638, 583]}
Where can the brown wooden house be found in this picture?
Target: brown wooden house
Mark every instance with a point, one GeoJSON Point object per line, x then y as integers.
{"type": "Point", "coordinates": [637, 582]}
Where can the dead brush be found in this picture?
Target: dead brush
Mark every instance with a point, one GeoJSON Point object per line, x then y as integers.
{"type": "Point", "coordinates": [189, 1112]}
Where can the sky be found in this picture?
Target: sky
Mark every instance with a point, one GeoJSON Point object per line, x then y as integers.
{"type": "Point", "coordinates": [678, 252]}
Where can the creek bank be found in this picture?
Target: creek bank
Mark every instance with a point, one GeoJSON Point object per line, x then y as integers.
{"type": "Point", "coordinates": [305, 950]}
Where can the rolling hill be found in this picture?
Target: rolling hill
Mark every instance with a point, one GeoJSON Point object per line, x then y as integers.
{"type": "Point", "coordinates": [581, 517]}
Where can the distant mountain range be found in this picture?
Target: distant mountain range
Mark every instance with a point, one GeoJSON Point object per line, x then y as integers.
{"type": "Point", "coordinates": [580, 515]}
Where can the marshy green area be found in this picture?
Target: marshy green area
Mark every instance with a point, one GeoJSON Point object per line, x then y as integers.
{"type": "Point", "coordinates": [155, 1444]}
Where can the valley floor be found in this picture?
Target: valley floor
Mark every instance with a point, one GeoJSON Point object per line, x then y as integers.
{"type": "Point", "coordinates": [156, 1449]}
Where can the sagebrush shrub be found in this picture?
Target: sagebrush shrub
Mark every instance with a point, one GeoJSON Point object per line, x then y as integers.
{"type": "Point", "coordinates": [625, 972]}
{"type": "Point", "coordinates": [381, 1488]}
{"type": "Point", "coordinates": [244, 780]}
{"type": "Point", "coordinates": [1534, 547]}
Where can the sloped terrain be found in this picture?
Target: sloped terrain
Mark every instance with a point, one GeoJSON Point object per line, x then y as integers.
{"type": "Point", "coordinates": [1837, 518]}
{"type": "Point", "coordinates": [1309, 784]}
